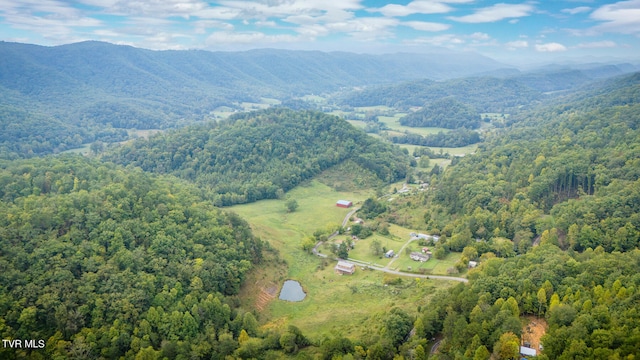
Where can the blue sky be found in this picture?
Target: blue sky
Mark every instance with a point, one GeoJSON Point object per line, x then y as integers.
{"type": "Point", "coordinates": [515, 32]}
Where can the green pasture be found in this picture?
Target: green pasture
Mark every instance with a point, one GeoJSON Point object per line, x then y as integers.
{"type": "Point", "coordinates": [83, 150]}
{"type": "Point", "coordinates": [314, 98]}
{"type": "Point", "coordinates": [433, 266]}
{"type": "Point", "coordinates": [366, 109]}
{"type": "Point", "coordinates": [469, 149]}
{"type": "Point", "coordinates": [349, 305]}
{"type": "Point", "coordinates": [352, 306]}
{"type": "Point", "coordinates": [357, 123]}
{"type": "Point", "coordinates": [393, 122]}
{"type": "Point", "coordinates": [317, 210]}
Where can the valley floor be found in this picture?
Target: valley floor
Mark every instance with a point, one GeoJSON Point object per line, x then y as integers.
{"type": "Point", "coordinates": [350, 306]}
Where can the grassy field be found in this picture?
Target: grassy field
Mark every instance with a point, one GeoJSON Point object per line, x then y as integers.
{"type": "Point", "coordinates": [398, 237]}
{"type": "Point", "coordinates": [352, 306]}
{"type": "Point", "coordinates": [393, 122]}
{"type": "Point", "coordinates": [357, 123]}
{"type": "Point", "coordinates": [365, 109]}
{"type": "Point", "coordinates": [453, 151]}
{"type": "Point", "coordinates": [83, 150]}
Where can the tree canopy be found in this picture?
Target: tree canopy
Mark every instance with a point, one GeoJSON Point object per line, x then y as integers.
{"type": "Point", "coordinates": [254, 155]}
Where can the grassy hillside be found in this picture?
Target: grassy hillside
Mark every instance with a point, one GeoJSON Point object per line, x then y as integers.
{"type": "Point", "coordinates": [263, 154]}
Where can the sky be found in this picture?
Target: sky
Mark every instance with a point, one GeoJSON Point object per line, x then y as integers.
{"type": "Point", "coordinates": [512, 32]}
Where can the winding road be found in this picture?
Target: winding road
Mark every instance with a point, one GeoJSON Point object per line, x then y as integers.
{"type": "Point", "coordinates": [380, 268]}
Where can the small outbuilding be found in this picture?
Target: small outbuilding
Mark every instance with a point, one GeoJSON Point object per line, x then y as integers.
{"type": "Point", "coordinates": [344, 203]}
{"type": "Point", "coordinates": [473, 264]}
{"type": "Point", "coordinates": [389, 254]}
{"type": "Point", "coordinates": [344, 267]}
{"type": "Point", "coordinates": [526, 351]}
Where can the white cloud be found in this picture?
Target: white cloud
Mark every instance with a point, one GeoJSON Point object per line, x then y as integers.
{"type": "Point", "coordinates": [577, 10]}
{"type": "Point", "coordinates": [597, 45]}
{"type": "Point", "coordinates": [495, 13]}
{"type": "Point", "coordinates": [479, 36]}
{"type": "Point", "coordinates": [249, 37]}
{"type": "Point", "coordinates": [550, 47]}
{"type": "Point", "coordinates": [518, 44]}
{"type": "Point", "coordinates": [365, 28]}
{"type": "Point", "coordinates": [201, 26]}
{"type": "Point", "coordinates": [414, 7]}
{"type": "Point", "coordinates": [622, 17]}
{"type": "Point", "coordinates": [266, 23]}
{"type": "Point", "coordinates": [447, 40]}
{"type": "Point", "coordinates": [426, 26]}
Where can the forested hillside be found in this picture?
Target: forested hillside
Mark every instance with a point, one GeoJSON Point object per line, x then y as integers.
{"type": "Point", "coordinates": [571, 170]}
{"type": "Point", "coordinates": [589, 300]}
{"type": "Point", "coordinates": [103, 262]}
{"type": "Point", "coordinates": [261, 155]}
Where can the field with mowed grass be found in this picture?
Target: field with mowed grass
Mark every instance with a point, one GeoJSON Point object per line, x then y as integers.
{"type": "Point", "coordinates": [348, 305]}
{"type": "Point", "coordinates": [393, 122]}
{"type": "Point", "coordinates": [469, 149]}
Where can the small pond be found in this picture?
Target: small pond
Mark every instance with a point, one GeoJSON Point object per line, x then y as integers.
{"type": "Point", "coordinates": [292, 291]}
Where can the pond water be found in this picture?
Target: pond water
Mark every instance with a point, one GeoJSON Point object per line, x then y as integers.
{"type": "Point", "coordinates": [292, 291]}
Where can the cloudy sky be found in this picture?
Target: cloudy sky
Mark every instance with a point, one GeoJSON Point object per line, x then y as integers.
{"type": "Point", "coordinates": [507, 30]}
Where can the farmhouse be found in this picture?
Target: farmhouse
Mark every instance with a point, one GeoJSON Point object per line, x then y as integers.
{"type": "Point", "coordinates": [344, 267]}
{"type": "Point", "coordinates": [344, 203]}
{"type": "Point", "coordinates": [419, 256]}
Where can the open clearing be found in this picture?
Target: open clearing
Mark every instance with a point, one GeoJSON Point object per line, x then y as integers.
{"type": "Point", "coordinates": [459, 151]}
{"type": "Point", "coordinates": [532, 331]}
{"type": "Point", "coordinates": [393, 122]}
{"type": "Point", "coordinates": [352, 306]}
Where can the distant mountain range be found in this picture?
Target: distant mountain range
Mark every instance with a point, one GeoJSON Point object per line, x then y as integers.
{"type": "Point", "coordinates": [54, 98]}
{"type": "Point", "coordinates": [104, 69]}
{"type": "Point", "coordinates": [503, 90]}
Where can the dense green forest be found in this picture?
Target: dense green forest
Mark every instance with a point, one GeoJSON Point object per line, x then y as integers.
{"type": "Point", "coordinates": [447, 113]}
{"type": "Point", "coordinates": [101, 261]}
{"type": "Point", "coordinates": [261, 155]}
{"type": "Point", "coordinates": [590, 301]}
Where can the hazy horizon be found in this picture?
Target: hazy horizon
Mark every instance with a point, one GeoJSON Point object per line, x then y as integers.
{"type": "Point", "coordinates": [517, 34]}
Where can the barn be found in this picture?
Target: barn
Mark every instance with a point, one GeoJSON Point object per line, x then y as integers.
{"type": "Point", "coordinates": [344, 267]}
{"type": "Point", "coordinates": [344, 203]}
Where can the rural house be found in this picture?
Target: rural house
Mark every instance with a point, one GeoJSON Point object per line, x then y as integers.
{"type": "Point", "coordinates": [344, 203]}
{"type": "Point", "coordinates": [344, 267]}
